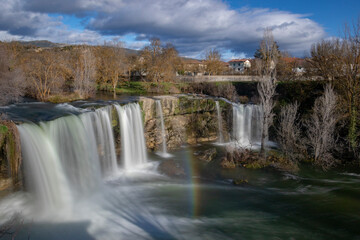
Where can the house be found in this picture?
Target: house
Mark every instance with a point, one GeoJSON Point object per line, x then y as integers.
{"type": "Point", "coordinates": [194, 67]}
{"type": "Point", "coordinates": [239, 65]}
{"type": "Point", "coordinates": [297, 64]}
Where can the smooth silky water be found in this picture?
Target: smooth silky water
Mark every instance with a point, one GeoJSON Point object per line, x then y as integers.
{"type": "Point", "coordinates": [72, 194]}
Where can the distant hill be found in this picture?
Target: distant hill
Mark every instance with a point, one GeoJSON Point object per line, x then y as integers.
{"type": "Point", "coordinates": [41, 44]}
{"type": "Point", "coordinates": [48, 44]}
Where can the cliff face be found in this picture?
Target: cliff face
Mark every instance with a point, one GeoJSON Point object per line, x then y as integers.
{"type": "Point", "coordinates": [187, 119]}
{"type": "Point", "coordinates": [10, 156]}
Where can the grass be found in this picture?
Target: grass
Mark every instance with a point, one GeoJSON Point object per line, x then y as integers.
{"type": "Point", "coordinates": [138, 87]}
{"type": "Point", "coordinates": [3, 129]}
{"type": "Point", "coordinates": [62, 98]}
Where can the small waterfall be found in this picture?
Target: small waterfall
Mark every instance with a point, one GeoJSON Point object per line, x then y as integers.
{"type": "Point", "coordinates": [220, 127]}
{"type": "Point", "coordinates": [247, 124]}
{"type": "Point", "coordinates": [132, 135]}
{"type": "Point", "coordinates": [163, 134]}
{"type": "Point", "coordinates": [66, 158]}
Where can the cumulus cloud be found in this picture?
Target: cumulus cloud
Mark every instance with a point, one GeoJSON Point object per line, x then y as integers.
{"type": "Point", "coordinates": [18, 23]}
{"type": "Point", "coordinates": [191, 25]}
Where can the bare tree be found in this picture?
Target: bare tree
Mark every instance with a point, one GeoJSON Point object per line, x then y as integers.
{"type": "Point", "coordinates": [12, 79]}
{"type": "Point", "coordinates": [213, 62]}
{"type": "Point", "coordinates": [159, 63]}
{"type": "Point", "coordinates": [289, 133]}
{"type": "Point", "coordinates": [111, 64]}
{"type": "Point", "coordinates": [324, 59]}
{"type": "Point", "coordinates": [267, 85]}
{"type": "Point", "coordinates": [43, 71]}
{"type": "Point", "coordinates": [349, 82]}
{"type": "Point", "coordinates": [320, 131]}
{"type": "Point", "coordinates": [85, 73]}
{"type": "Point", "coordinates": [338, 60]}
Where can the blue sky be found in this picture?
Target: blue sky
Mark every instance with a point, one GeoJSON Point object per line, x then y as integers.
{"type": "Point", "coordinates": [193, 26]}
{"type": "Point", "coordinates": [329, 13]}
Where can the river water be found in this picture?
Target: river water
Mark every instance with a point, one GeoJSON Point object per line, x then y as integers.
{"type": "Point", "coordinates": [142, 203]}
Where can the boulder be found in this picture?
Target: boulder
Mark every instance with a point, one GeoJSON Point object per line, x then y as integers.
{"type": "Point", "coordinates": [208, 155]}
{"type": "Point", "coordinates": [226, 163]}
{"type": "Point", "coordinates": [240, 182]}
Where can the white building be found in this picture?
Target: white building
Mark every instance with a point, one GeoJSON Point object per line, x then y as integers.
{"type": "Point", "coordinates": [239, 65]}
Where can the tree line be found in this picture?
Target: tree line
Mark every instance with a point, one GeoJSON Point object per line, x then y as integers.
{"type": "Point", "coordinates": [331, 128]}
{"type": "Point", "coordinates": [79, 70]}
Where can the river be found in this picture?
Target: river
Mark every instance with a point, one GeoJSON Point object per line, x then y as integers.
{"type": "Point", "coordinates": [142, 203]}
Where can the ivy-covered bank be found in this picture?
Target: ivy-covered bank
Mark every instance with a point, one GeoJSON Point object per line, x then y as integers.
{"type": "Point", "coordinates": [10, 156]}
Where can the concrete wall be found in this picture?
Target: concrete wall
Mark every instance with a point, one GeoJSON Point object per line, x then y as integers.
{"type": "Point", "coordinates": [230, 78]}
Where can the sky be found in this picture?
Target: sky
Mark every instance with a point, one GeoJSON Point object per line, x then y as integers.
{"type": "Point", "coordinates": [235, 28]}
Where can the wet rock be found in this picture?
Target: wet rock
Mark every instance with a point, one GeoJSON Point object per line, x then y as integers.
{"type": "Point", "coordinates": [226, 163]}
{"type": "Point", "coordinates": [172, 168]}
{"type": "Point", "coordinates": [240, 182]}
{"type": "Point", "coordinates": [208, 155]}
{"type": "Point", "coordinates": [187, 119]}
{"type": "Point", "coordinates": [5, 184]}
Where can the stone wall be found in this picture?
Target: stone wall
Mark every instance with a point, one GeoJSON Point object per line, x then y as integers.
{"type": "Point", "coordinates": [219, 78]}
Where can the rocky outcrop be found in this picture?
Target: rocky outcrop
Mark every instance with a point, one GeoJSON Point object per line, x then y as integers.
{"type": "Point", "coordinates": [10, 156]}
{"type": "Point", "coordinates": [187, 119]}
{"type": "Point", "coordinates": [208, 155]}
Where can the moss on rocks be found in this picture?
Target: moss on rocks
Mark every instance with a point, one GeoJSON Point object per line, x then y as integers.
{"type": "Point", "coordinates": [188, 119]}
{"type": "Point", "coordinates": [10, 155]}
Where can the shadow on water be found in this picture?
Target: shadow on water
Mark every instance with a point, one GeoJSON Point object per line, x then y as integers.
{"type": "Point", "coordinates": [58, 231]}
{"type": "Point", "coordinates": [138, 216]}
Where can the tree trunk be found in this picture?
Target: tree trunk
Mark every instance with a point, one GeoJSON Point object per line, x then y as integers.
{"type": "Point", "coordinates": [352, 127]}
{"type": "Point", "coordinates": [114, 91]}
{"type": "Point", "coordinates": [263, 139]}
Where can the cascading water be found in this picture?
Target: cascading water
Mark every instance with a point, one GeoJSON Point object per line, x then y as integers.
{"type": "Point", "coordinates": [65, 158]}
{"type": "Point", "coordinates": [164, 152]}
{"type": "Point", "coordinates": [101, 120]}
{"type": "Point", "coordinates": [44, 172]}
{"type": "Point", "coordinates": [218, 110]}
{"type": "Point", "coordinates": [247, 124]}
{"type": "Point", "coordinates": [132, 136]}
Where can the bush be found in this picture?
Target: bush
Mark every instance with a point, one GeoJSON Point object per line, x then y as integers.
{"type": "Point", "coordinates": [225, 90]}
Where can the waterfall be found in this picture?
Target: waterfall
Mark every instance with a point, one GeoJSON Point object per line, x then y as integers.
{"type": "Point", "coordinates": [44, 173]}
{"type": "Point", "coordinates": [163, 134]}
{"type": "Point", "coordinates": [247, 124]}
{"type": "Point", "coordinates": [101, 120]}
{"type": "Point", "coordinates": [132, 136]}
{"type": "Point", "coordinates": [221, 139]}
{"type": "Point", "coordinates": [67, 157]}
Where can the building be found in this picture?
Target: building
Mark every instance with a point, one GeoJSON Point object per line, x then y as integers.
{"type": "Point", "coordinates": [194, 67]}
{"type": "Point", "coordinates": [239, 65]}
{"type": "Point", "coordinates": [297, 64]}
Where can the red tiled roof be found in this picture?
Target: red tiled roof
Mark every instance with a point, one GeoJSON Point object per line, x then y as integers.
{"type": "Point", "coordinates": [292, 59]}
{"type": "Point", "coordinates": [239, 60]}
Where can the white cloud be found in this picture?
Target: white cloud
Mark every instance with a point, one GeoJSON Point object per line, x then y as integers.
{"type": "Point", "coordinates": [191, 25]}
